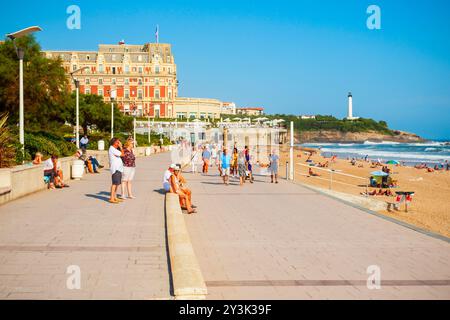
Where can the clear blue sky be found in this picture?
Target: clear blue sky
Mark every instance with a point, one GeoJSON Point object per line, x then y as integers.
{"type": "Point", "coordinates": [298, 57]}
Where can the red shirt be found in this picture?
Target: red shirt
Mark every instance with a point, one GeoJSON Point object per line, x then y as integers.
{"type": "Point", "coordinates": [129, 159]}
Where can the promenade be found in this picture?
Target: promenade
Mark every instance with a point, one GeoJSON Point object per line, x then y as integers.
{"type": "Point", "coordinates": [268, 241]}
{"type": "Point", "coordinates": [120, 249]}
{"type": "Point", "coordinates": [260, 241]}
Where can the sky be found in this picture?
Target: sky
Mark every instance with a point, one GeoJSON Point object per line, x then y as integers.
{"type": "Point", "coordinates": [295, 57]}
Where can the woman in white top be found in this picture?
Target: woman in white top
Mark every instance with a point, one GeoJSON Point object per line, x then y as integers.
{"type": "Point", "coordinates": [194, 160]}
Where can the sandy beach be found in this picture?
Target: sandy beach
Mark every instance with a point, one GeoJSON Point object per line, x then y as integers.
{"type": "Point", "coordinates": [429, 209]}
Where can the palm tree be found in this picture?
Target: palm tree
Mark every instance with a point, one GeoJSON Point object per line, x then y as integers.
{"type": "Point", "coordinates": [7, 149]}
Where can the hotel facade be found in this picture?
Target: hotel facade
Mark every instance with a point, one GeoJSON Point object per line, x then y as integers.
{"type": "Point", "coordinates": [142, 79]}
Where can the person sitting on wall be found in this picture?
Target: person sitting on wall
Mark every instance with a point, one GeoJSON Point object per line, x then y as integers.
{"type": "Point", "coordinates": [52, 170]}
{"type": "Point", "coordinates": [90, 162]}
{"type": "Point", "coordinates": [185, 202]}
{"type": "Point", "coordinates": [37, 158]}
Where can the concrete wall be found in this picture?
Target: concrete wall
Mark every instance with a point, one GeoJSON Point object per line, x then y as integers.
{"type": "Point", "coordinates": [26, 179]}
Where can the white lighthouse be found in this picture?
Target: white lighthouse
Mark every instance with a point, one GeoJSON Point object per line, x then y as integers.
{"type": "Point", "coordinates": [350, 108]}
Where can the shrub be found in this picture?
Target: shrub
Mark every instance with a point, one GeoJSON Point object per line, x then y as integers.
{"type": "Point", "coordinates": [7, 147]}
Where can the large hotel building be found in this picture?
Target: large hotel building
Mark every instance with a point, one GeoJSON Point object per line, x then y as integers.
{"type": "Point", "coordinates": [143, 78]}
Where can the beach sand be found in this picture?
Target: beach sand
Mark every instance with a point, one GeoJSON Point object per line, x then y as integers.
{"type": "Point", "coordinates": [429, 209]}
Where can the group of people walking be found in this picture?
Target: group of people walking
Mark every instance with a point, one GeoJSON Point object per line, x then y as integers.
{"type": "Point", "coordinates": [236, 164]}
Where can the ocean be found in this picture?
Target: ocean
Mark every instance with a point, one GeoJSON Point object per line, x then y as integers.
{"type": "Point", "coordinates": [434, 152]}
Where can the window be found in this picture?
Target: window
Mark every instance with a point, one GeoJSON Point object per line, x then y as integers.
{"type": "Point", "coordinates": [170, 94]}
{"type": "Point", "coordinates": [88, 57]}
{"type": "Point", "coordinates": [88, 81]}
{"type": "Point", "coordinates": [140, 81]}
{"type": "Point", "coordinates": [192, 115]}
{"type": "Point", "coordinates": [202, 115]}
{"type": "Point", "coordinates": [140, 70]}
{"type": "Point", "coordinates": [139, 94]}
{"type": "Point", "coordinates": [113, 58]}
{"type": "Point", "coordinates": [114, 70]}
{"type": "Point", "coordinates": [113, 81]}
{"type": "Point", "coordinates": [74, 67]}
{"type": "Point", "coordinates": [157, 93]}
{"type": "Point", "coordinates": [157, 69]}
{"type": "Point", "coordinates": [100, 92]}
{"type": "Point", "coordinates": [181, 115]}
{"type": "Point", "coordinates": [100, 68]}
{"type": "Point", "coordinates": [87, 91]}
{"type": "Point", "coordinates": [156, 81]}
{"type": "Point", "coordinates": [127, 69]}
{"type": "Point", "coordinates": [100, 81]}
{"type": "Point", "coordinates": [127, 94]}
{"type": "Point", "coordinates": [127, 81]}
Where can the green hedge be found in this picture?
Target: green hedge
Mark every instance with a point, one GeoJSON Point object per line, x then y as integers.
{"type": "Point", "coordinates": [45, 143]}
{"type": "Point", "coordinates": [142, 139]}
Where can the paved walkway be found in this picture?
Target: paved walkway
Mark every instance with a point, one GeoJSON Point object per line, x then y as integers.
{"type": "Point", "coordinates": [120, 249]}
{"type": "Point", "coordinates": [267, 241]}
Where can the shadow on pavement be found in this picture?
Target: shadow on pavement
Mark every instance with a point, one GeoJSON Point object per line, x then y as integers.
{"type": "Point", "coordinates": [160, 191]}
{"type": "Point", "coordinates": [99, 196]}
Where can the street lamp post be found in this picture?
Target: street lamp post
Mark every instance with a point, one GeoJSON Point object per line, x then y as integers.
{"type": "Point", "coordinates": [149, 132]}
{"type": "Point", "coordinates": [113, 96]}
{"type": "Point", "coordinates": [77, 112]}
{"type": "Point", "coordinates": [134, 128]}
{"type": "Point", "coordinates": [20, 54]}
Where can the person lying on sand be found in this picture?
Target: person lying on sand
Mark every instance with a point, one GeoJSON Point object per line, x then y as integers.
{"type": "Point", "coordinates": [312, 173]}
{"type": "Point", "coordinates": [324, 165]}
{"type": "Point", "coordinates": [380, 192]}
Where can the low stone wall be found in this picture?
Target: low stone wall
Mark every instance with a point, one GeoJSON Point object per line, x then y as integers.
{"type": "Point", "coordinates": [26, 179]}
{"type": "Point", "coordinates": [187, 279]}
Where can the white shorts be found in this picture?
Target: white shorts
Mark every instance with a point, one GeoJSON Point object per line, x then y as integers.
{"type": "Point", "coordinates": [225, 172]}
{"type": "Point", "coordinates": [128, 173]}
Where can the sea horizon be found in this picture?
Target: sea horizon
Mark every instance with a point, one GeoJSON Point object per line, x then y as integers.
{"type": "Point", "coordinates": [431, 152]}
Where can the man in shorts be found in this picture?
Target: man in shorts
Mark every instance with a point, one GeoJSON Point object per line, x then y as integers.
{"type": "Point", "coordinates": [225, 160]}
{"type": "Point", "coordinates": [115, 154]}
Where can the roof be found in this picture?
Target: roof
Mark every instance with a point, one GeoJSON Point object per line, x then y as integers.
{"type": "Point", "coordinates": [252, 108]}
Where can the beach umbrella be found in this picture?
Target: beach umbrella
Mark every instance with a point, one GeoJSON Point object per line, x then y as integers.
{"type": "Point", "coordinates": [379, 174]}
{"type": "Point", "coordinates": [395, 162]}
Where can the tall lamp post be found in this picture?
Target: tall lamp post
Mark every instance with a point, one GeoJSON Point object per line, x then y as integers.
{"type": "Point", "coordinates": [77, 112]}
{"type": "Point", "coordinates": [20, 54]}
{"type": "Point", "coordinates": [113, 96]}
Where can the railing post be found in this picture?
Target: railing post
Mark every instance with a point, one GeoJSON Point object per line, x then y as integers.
{"type": "Point", "coordinates": [287, 170]}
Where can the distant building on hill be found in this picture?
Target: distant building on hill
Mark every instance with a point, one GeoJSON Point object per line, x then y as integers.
{"type": "Point", "coordinates": [307, 117]}
{"type": "Point", "coordinates": [250, 111]}
{"type": "Point", "coordinates": [228, 108]}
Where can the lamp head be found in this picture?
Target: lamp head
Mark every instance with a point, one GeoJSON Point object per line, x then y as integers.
{"type": "Point", "coordinates": [23, 32]}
